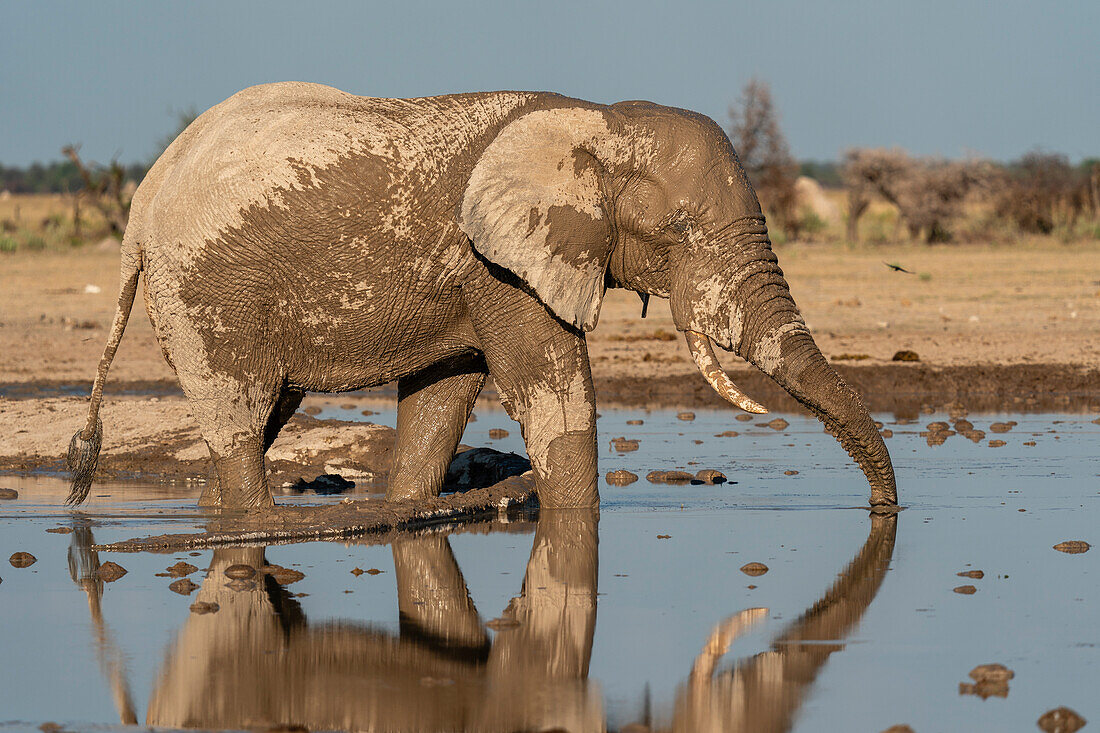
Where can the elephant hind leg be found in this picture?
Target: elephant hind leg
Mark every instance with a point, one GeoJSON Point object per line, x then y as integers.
{"type": "Point", "coordinates": [236, 420]}
{"type": "Point", "coordinates": [432, 410]}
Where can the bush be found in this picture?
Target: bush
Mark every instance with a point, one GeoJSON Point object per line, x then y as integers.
{"type": "Point", "coordinates": [1042, 191]}
{"type": "Point", "coordinates": [929, 193]}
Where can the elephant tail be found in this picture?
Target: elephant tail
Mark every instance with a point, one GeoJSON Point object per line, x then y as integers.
{"type": "Point", "coordinates": [84, 447]}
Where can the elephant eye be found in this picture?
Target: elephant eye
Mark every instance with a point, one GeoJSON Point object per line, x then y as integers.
{"type": "Point", "coordinates": [677, 224]}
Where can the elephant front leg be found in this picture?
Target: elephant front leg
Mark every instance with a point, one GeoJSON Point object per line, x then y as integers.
{"type": "Point", "coordinates": [545, 383]}
{"type": "Point", "coordinates": [432, 410]}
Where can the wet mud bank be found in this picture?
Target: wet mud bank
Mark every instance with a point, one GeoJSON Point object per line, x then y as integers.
{"type": "Point", "coordinates": [904, 389]}
{"type": "Point", "coordinates": [894, 387]}
{"type": "Point", "coordinates": [156, 438]}
{"type": "Point", "coordinates": [345, 520]}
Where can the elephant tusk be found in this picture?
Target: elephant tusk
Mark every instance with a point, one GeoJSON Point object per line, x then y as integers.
{"type": "Point", "coordinates": [703, 353]}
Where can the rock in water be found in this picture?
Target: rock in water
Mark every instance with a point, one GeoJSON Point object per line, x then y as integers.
{"type": "Point", "coordinates": [754, 568]}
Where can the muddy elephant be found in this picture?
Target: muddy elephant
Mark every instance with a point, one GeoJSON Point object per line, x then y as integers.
{"type": "Point", "coordinates": [297, 238]}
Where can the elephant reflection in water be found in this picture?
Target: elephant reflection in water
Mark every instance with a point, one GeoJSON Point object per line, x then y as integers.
{"type": "Point", "coordinates": [763, 694]}
{"type": "Point", "coordinates": [257, 662]}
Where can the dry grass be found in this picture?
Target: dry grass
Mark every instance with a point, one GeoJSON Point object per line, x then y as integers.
{"type": "Point", "coordinates": [33, 222]}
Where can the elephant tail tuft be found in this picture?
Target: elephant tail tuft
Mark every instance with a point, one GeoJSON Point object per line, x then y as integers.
{"type": "Point", "coordinates": [82, 461]}
{"type": "Point", "coordinates": [84, 448]}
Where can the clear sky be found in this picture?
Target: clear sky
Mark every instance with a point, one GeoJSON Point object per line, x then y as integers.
{"type": "Point", "coordinates": [946, 77]}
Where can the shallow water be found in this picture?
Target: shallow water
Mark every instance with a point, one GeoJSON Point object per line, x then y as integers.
{"type": "Point", "coordinates": [862, 631]}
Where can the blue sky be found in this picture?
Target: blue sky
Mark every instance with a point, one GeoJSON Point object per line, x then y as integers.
{"type": "Point", "coordinates": [936, 77]}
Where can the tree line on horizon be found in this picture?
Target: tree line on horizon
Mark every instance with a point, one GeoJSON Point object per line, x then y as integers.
{"type": "Point", "coordinates": [928, 198]}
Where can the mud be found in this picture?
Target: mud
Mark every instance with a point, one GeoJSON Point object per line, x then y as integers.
{"type": "Point", "coordinates": [22, 559]}
{"type": "Point", "coordinates": [156, 438]}
{"type": "Point", "coordinates": [1073, 547]}
{"type": "Point", "coordinates": [341, 521]}
{"type": "Point", "coordinates": [621, 477]}
{"type": "Point", "coordinates": [1060, 720]}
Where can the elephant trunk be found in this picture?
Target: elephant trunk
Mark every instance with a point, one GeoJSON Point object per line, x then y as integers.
{"type": "Point", "coordinates": [775, 340]}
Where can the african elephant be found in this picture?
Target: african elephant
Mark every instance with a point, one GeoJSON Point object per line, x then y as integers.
{"type": "Point", "coordinates": [298, 238]}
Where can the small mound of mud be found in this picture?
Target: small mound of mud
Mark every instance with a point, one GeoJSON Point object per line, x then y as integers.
{"type": "Point", "coordinates": [9, 494]}
{"type": "Point", "coordinates": [281, 575]}
{"type": "Point", "coordinates": [498, 434]}
{"type": "Point", "coordinates": [60, 530]}
{"type": "Point", "coordinates": [324, 485]}
{"type": "Point", "coordinates": [966, 590]}
{"type": "Point", "coordinates": [976, 574]}
{"type": "Point", "coordinates": [1060, 720]}
{"type": "Point", "coordinates": [790, 472]}
{"type": "Point", "coordinates": [990, 680]}
{"type": "Point", "coordinates": [183, 586]}
{"type": "Point", "coordinates": [621, 477]}
{"type": "Point", "coordinates": [1002, 427]}
{"type": "Point", "coordinates": [624, 445]}
{"type": "Point", "coordinates": [22, 559]}
{"type": "Point", "coordinates": [686, 416]}
{"type": "Point", "coordinates": [482, 467]}
{"type": "Point", "coordinates": [743, 417]}
{"type": "Point", "coordinates": [754, 569]}
{"type": "Point", "coordinates": [202, 607]}
{"type": "Point", "coordinates": [710, 476]}
{"type": "Point", "coordinates": [727, 434]}
{"type": "Point", "coordinates": [1073, 547]}
{"type": "Point", "coordinates": [669, 477]}
{"type": "Point", "coordinates": [777, 424]}
{"type": "Point", "coordinates": [997, 444]}
{"type": "Point", "coordinates": [181, 569]}
{"type": "Point", "coordinates": [905, 355]}
{"type": "Point", "coordinates": [938, 425]}
{"type": "Point", "coordinates": [635, 422]}
{"type": "Point", "coordinates": [109, 572]}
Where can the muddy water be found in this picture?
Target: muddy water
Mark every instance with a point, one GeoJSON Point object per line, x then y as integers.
{"type": "Point", "coordinates": [643, 617]}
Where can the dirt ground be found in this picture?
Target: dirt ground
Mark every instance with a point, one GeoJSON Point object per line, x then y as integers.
{"type": "Point", "coordinates": [994, 327]}
{"type": "Point", "coordinates": [964, 305]}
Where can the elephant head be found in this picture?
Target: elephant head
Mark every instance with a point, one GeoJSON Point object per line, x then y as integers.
{"type": "Point", "coordinates": [577, 197]}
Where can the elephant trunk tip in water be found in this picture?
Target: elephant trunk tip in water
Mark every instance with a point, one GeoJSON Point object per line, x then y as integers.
{"type": "Point", "coordinates": [702, 351]}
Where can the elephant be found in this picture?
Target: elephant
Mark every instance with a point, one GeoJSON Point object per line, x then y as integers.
{"type": "Point", "coordinates": [260, 662]}
{"type": "Point", "coordinates": [298, 238]}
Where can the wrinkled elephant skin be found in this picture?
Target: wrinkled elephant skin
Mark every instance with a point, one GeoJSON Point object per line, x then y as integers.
{"type": "Point", "coordinates": [297, 238]}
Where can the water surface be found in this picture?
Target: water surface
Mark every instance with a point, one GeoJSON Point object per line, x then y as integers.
{"type": "Point", "coordinates": [643, 616]}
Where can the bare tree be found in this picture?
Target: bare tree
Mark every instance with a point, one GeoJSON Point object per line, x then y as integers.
{"type": "Point", "coordinates": [764, 153]}
{"type": "Point", "coordinates": [105, 188]}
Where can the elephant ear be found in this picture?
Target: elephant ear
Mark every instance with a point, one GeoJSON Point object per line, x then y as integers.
{"type": "Point", "coordinates": [535, 205]}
